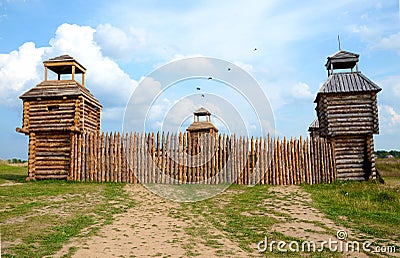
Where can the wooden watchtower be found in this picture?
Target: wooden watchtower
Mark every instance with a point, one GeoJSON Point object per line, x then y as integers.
{"type": "Point", "coordinates": [200, 126]}
{"type": "Point", "coordinates": [347, 116]}
{"type": "Point", "coordinates": [53, 111]}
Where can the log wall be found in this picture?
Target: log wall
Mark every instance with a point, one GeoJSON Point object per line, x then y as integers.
{"type": "Point", "coordinates": [341, 114]}
{"type": "Point", "coordinates": [51, 153]}
{"type": "Point", "coordinates": [170, 159]}
{"type": "Point", "coordinates": [38, 117]}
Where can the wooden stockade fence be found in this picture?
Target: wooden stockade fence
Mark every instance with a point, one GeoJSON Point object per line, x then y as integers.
{"type": "Point", "coordinates": [171, 159]}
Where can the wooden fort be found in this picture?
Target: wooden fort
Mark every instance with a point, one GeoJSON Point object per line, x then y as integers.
{"type": "Point", "coordinates": [347, 115]}
{"type": "Point", "coordinates": [53, 111]}
{"type": "Point", "coordinates": [201, 126]}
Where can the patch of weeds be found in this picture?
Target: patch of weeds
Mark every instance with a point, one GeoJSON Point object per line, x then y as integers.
{"type": "Point", "coordinates": [44, 215]}
{"type": "Point", "coordinates": [371, 208]}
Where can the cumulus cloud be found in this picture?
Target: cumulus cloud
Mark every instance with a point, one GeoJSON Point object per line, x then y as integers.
{"type": "Point", "coordinates": [391, 42]}
{"type": "Point", "coordinates": [22, 69]}
{"type": "Point", "coordinates": [117, 43]}
{"type": "Point", "coordinates": [104, 77]}
{"type": "Point", "coordinates": [389, 119]}
{"type": "Point", "coordinates": [19, 70]}
{"type": "Point", "coordinates": [301, 90]}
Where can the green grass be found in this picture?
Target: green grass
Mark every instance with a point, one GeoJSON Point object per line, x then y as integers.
{"type": "Point", "coordinates": [371, 208]}
{"type": "Point", "coordinates": [38, 218]}
{"type": "Point", "coordinates": [238, 213]}
{"type": "Point", "coordinates": [388, 167]}
{"type": "Point", "coordinates": [10, 173]}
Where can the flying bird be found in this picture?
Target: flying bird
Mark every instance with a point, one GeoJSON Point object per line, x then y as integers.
{"type": "Point", "coordinates": [229, 69]}
{"type": "Point", "coordinates": [255, 49]}
{"type": "Point", "coordinates": [198, 88]}
{"type": "Point", "coordinates": [210, 78]}
{"type": "Point", "coordinates": [202, 95]}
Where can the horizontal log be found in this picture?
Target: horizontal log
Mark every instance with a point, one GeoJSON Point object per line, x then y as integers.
{"type": "Point", "coordinates": [22, 130]}
{"type": "Point", "coordinates": [342, 167]}
{"type": "Point", "coordinates": [354, 119]}
{"type": "Point", "coordinates": [353, 178]}
{"type": "Point", "coordinates": [49, 167]}
{"type": "Point", "coordinates": [56, 177]}
{"type": "Point", "coordinates": [51, 154]}
{"type": "Point", "coordinates": [61, 112]}
{"type": "Point", "coordinates": [339, 148]}
{"type": "Point", "coordinates": [346, 105]}
{"type": "Point", "coordinates": [54, 149]}
{"type": "Point", "coordinates": [46, 159]}
{"type": "Point", "coordinates": [50, 162]}
{"type": "Point", "coordinates": [349, 161]}
{"type": "Point", "coordinates": [348, 131]}
{"type": "Point", "coordinates": [347, 97]}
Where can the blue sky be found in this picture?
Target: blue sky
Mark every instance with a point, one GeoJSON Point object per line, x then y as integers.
{"type": "Point", "coordinates": [120, 42]}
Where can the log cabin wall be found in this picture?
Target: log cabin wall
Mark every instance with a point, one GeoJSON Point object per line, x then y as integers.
{"type": "Point", "coordinates": [344, 114]}
{"type": "Point", "coordinates": [347, 115]}
{"type": "Point", "coordinates": [50, 114]}
{"type": "Point", "coordinates": [52, 155]}
{"type": "Point", "coordinates": [53, 112]}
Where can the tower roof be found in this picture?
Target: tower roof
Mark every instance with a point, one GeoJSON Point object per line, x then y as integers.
{"type": "Point", "coordinates": [200, 126]}
{"type": "Point", "coordinates": [59, 89]}
{"type": "Point", "coordinates": [63, 65]}
{"type": "Point", "coordinates": [342, 60]}
{"type": "Point", "coordinates": [350, 82]}
{"type": "Point", "coordinates": [202, 112]}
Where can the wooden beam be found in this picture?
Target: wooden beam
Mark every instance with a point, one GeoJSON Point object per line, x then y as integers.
{"type": "Point", "coordinates": [73, 72]}
{"type": "Point", "coordinates": [21, 130]}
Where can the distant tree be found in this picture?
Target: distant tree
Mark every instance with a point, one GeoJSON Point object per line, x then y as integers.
{"type": "Point", "coordinates": [395, 153]}
{"type": "Point", "coordinates": [381, 153]}
{"type": "Point", "coordinates": [384, 153]}
{"type": "Point", "coordinates": [16, 161]}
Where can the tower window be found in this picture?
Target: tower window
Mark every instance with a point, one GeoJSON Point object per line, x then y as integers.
{"type": "Point", "coordinates": [53, 107]}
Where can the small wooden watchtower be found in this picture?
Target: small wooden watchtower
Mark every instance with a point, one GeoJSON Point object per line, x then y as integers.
{"type": "Point", "coordinates": [53, 111]}
{"type": "Point", "coordinates": [347, 114]}
{"type": "Point", "coordinates": [200, 126]}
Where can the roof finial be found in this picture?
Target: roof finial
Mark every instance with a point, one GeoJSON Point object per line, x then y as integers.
{"type": "Point", "coordinates": [338, 39]}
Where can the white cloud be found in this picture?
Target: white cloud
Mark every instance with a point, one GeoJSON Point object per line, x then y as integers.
{"type": "Point", "coordinates": [105, 78]}
{"type": "Point", "coordinates": [19, 70]}
{"type": "Point", "coordinates": [117, 43]}
{"type": "Point", "coordinates": [391, 42]}
{"type": "Point", "coordinates": [389, 119]}
{"type": "Point", "coordinates": [22, 69]}
{"type": "Point", "coordinates": [301, 90]}
{"type": "Point", "coordinates": [115, 114]}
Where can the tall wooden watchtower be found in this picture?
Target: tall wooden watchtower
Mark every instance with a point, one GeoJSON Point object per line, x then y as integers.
{"type": "Point", "coordinates": [348, 116]}
{"type": "Point", "coordinates": [53, 111]}
{"type": "Point", "coordinates": [201, 125]}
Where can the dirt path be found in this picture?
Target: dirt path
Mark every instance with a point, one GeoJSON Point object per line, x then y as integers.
{"type": "Point", "coordinates": [298, 219]}
{"type": "Point", "coordinates": [148, 230]}
{"type": "Point", "coordinates": [152, 228]}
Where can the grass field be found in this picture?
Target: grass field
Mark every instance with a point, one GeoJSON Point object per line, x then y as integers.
{"type": "Point", "coordinates": [38, 218]}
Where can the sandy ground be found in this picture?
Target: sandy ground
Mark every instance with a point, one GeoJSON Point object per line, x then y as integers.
{"type": "Point", "coordinates": [149, 230]}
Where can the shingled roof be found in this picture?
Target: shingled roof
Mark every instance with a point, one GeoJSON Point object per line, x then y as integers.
{"type": "Point", "coordinates": [63, 65]}
{"type": "Point", "coordinates": [202, 112]}
{"type": "Point", "coordinates": [59, 89]}
{"type": "Point", "coordinates": [342, 60]}
{"type": "Point", "coordinates": [348, 82]}
{"type": "Point", "coordinates": [202, 125]}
